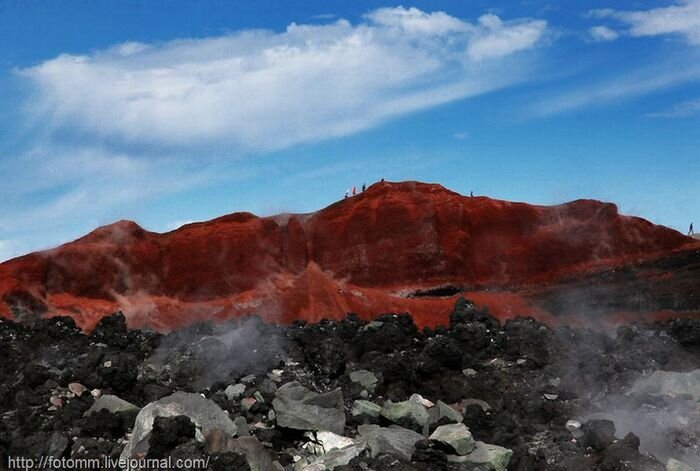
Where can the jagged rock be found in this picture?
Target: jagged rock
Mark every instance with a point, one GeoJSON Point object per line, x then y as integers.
{"type": "Point", "coordinates": [332, 459]}
{"type": "Point", "coordinates": [396, 441]}
{"type": "Point", "coordinates": [574, 426]}
{"type": "Point", "coordinates": [456, 437]}
{"type": "Point", "coordinates": [56, 401]}
{"type": "Point", "coordinates": [410, 414]}
{"type": "Point", "coordinates": [443, 413]}
{"type": "Point", "coordinates": [367, 409]}
{"type": "Point", "coordinates": [484, 457]}
{"type": "Point", "coordinates": [242, 428]}
{"type": "Point", "coordinates": [365, 378]}
{"type": "Point", "coordinates": [669, 383]}
{"type": "Point", "coordinates": [427, 403]}
{"type": "Point", "coordinates": [247, 403]}
{"type": "Point", "coordinates": [234, 391]}
{"type": "Point", "coordinates": [324, 441]}
{"type": "Point", "coordinates": [112, 404]}
{"type": "Point", "coordinates": [675, 465]}
{"type": "Point", "coordinates": [205, 414]}
{"type": "Point", "coordinates": [275, 375]}
{"type": "Point", "coordinates": [77, 389]}
{"type": "Point", "coordinates": [299, 408]}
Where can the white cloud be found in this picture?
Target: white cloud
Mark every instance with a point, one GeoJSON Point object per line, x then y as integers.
{"type": "Point", "coordinates": [684, 109]}
{"type": "Point", "coordinates": [264, 90]}
{"type": "Point", "coordinates": [603, 34]}
{"type": "Point", "coordinates": [497, 39]}
{"type": "Point", "coordinates": [413, 20]}
{"type": "Point", "coordinates": [682, 18]}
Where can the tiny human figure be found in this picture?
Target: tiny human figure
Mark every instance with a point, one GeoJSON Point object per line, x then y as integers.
{"type": "Point", "coordinates": [354, 191]}
{"type": "Point", "coordinates": [347, 193]}
{"type": "Point", "coordinates": [364, 187]}
{"type": "Point", "coordinates": [690, 231]}
{"type": "Point", "coordinates": [382, 180]}
{"type": "Point", "coordinates": [471, 194]}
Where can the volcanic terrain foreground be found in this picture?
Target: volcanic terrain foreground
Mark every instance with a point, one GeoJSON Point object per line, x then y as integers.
{"type": "Point", "coordinates": [353, 395]}
{"type": "Point", "coordinates": [398, 247]}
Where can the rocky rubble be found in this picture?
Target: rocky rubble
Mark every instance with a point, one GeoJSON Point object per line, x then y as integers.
{"type": "Point", "coordinates": [351, 395]}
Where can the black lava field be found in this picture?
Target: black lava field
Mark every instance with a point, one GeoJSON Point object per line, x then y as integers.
{"type": "Point", "coordinates": [352, 395]}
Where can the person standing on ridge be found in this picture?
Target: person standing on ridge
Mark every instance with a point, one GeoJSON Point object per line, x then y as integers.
{"type": "Point", "coordinates": [690, 231]}
{"type": "Point", "coordinates": [364, 187]}
{"type": "Point", "coordinates": [354, 190]}
{"type": "Point", "coordinates": [347, 193]}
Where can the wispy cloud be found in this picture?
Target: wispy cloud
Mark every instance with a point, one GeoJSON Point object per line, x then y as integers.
{"type": "Point", "coordinates": [262, 90]}
{"type": "Point", "coordinates": [684, 109]}
{"type": "Point", "coordinates": [633, 84]}
{"type": "Point", "coordinates": [56, 191]}
{"type": "Point", "coordinates": [681, 19]}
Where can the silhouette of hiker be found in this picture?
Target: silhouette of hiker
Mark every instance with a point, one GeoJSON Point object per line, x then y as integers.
{"type": "Point", "coordinates": [354, 191]}
{"type": "Point", "coordinates": [471, 194]}
{"type": "Point", "coordinates": [381, 181]}
{"type": "Point", "coordinates": [364, 187]}
{"type": "Point", "coordinates": [690, 231]}
{"type": "Point", "coordinates": [347, 193]}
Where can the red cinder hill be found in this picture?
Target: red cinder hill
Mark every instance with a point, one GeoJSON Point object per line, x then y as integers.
{"type": "Point", "coordinates": [398, 247]}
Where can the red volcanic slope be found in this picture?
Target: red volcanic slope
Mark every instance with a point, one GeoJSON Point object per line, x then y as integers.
{"type": "Point", "coordinates": [363, 254]}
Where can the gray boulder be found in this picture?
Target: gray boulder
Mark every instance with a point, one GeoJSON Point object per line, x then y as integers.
{"type": "Point", "coordinates": [455, 437]}
{"type": "Point", "coordinates": [443, 413]}
{"type": "Point", "coordinates": [234, 391]}
{"type": "Point", "coordinates": [361, 408]}
{"type": "Point", "coordinates": [411, 414]}
{"type": "Point", "coordinates": [322, 442]}
{"type": "Point", "coordinates": [484, 457]}
{"type": "Point", "coordinates": [299, 408]}
{"type": "Point", "coordinates": [333, 459]}
{"type": "Point", "coordinates": [675, 465]}
{"type": "Point", "coordinates": [365, 378]}
{"type": "Point", "coordinates": [393, 440]}
{"type": "Point", "coordinates": [206, 415]}
{"type": "Point", "coordinates": [112, 404]}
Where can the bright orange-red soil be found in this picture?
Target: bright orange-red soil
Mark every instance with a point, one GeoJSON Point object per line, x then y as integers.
{"type": "Point", "coordinates": [364, 254]}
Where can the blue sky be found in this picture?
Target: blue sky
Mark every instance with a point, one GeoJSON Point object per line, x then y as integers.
{"type": "Point", "coordinates": [169, 112]}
